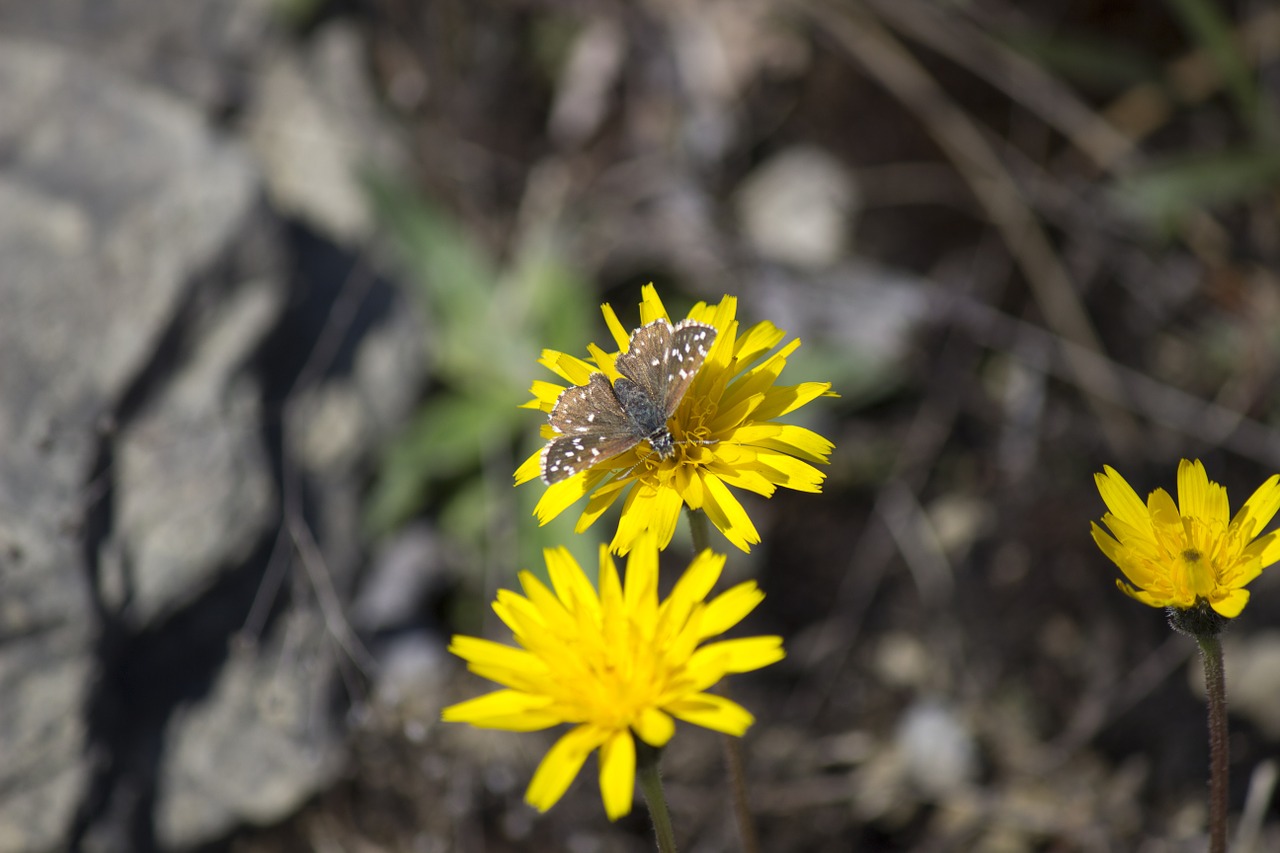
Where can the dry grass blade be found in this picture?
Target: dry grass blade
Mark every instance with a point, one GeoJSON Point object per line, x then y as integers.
{"type": "Point", "coordinates": [1193, 78]}
{"type": "Point", "coordinates": [1019, 78]}
{"type": "Point", "coordinates": [886, 60]}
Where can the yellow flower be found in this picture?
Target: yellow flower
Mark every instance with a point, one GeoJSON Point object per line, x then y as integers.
{"type": "Point", "coordinates": [615, 665]}
{"type": "Point", "coordinates": [724, 431]}
{"type": "Point", "coordinates": [1181, 555]}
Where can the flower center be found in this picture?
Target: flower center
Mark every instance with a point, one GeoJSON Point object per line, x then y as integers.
{"type": "Point", "coordinates": [621, 680]}
{"type": "Point", "coordinates": [1198, 573]}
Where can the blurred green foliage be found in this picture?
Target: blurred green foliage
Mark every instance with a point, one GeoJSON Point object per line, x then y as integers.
{"type": "Point", "coordinates": [1164, 191]}
{"type": "Point", "coordinates": [1163, 194]}
{"type": "Point", "coordinates": [486, 323]}
{"type": "Point", "coordinates": [1213, 33]}
{"type": "Point", "coordinates": [1084, 58]}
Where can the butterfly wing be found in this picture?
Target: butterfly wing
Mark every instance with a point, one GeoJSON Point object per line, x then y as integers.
{"type": "Point", "coordinates": [662, 360]}
{"type": "Point", "coordinates": [686, 351]}
{"type": "Point", "coordinates": [595, 429]}
{"type": "Point", "coordinates": [644, 362]}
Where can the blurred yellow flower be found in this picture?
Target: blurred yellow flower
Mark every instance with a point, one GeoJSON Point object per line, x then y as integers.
{"type": "Point", "coordinates": [724, 432]}
{"type": "Point", "coordinates": [1192, 552]}
{"type": "Point", "coordinates": [616, 664]}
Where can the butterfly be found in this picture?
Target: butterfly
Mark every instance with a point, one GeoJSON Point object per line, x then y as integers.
{"type": "Point", "coordinates": [600, 420]}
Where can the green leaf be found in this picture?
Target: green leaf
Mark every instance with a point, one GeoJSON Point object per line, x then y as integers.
{"type": "Point", "coordinates": [1164, 194]}
{"type": "Point", "coordinates": [447, 438]}
{"type": "Point", "coordinates": [1085, 58]}
{"type": "Point", "coordinates": [1213, 33]}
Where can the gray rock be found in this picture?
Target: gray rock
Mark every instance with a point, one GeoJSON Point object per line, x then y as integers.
{"type": "Point", "coordinates": [197, 49]}
{"type": "Point", "coordinates": [314, 124]}
{"type": "Point", "coordinates": [193, 485]}
{"type": "Point", "coordinates": [939, 751]}
{"type": "Point", "coordinates": [138, 495]}
{"type": "Point", "coordinates": [864, 315]}
{"type": "Point", "coordinates": [111, 196]}
{"type": "Point", "coordinates": [258, 745]}
{"type": "Point", "coordinates": [798, 208]}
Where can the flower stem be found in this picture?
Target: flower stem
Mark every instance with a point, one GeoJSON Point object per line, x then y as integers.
{"type": "Point", "coordinates": [1216, 690]}
{"type": "Point", "coordinates": [700, 533]}
{"type": "Point", "coordinates": [651, 784]}
{"type": "Point", "coordinates": [699, 530]}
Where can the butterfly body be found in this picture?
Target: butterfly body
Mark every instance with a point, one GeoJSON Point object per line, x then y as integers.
{"type": "Point", "coordinates": [600, 420]}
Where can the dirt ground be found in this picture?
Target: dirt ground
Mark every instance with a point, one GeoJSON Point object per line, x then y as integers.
{"type": "Point", "coordinates": [1023, 241]}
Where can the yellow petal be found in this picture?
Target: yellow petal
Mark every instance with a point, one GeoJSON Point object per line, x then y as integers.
{"type": "Point", "coordinates": [618, 774]}
{"type": "Point", "coordinates": [691, 588]}
{"type": "Point", "coordinates": [1232, 603]}
{"type": "Point", "coordinates": [611, 601]}
{"type": "Point", "coordinates": [727, 514]}
{"type": "Point", "coordinates": [1266, 548]}
{"type": "Point", "coordinates": [734, 409]}
{"type": "Point", "coordinates": [741, 473]}
{"type": "Point", "coordinates": [664, 515]}
{"type": "Point", "coordinates": [788, 438]}
{"type": "Point", "coordinates": [1120, 498]}
{"type": "Point", "coordinates": [530, 469]}
{"type": "Point", "coordinates": [741, 655]}
{"type": "Point", "coordinates": [561, 764]}
{"type": "Point", "coordinates": [1258, 510]}
{"type": "Point", "coordinates": [511, 710]}
{"type": "Point", "coordinates": [635, 518]}
{"type": "Point", "coordinates": [651, 307]}
{"type": "Point", "coordinates": [758, 340]}
{"type": "Point", "coordinates": [560, 496]}
{"type": "Point", "coordinates": [573, 587]}
{"type": "Point", "coordinates": [572, 369]}
{"type": "Point", "coordinates": [791, 472]}
{"type": "Point", "coordinates": [641, 588]}
{"type": "Point", "coordinates": [729, 608]}
{"type": "Point", "coordinates": [480, 651]}
{"type": "Point", "coordinates": [616, 329]}
{"type": "Point", "coordinates": [655, 727]}
{"type": "Point", "coordinates": [713, 712]}
{"type": "Point", "coordinates": [1193, 489]}
{"type": "Point", "coordinates": [545, 395]}
{"type": "Point", "coordinates": [780, 400]}
{"type": "Point", "coordinates": [600, 501]}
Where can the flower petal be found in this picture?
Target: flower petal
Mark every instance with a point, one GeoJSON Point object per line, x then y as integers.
{"type": "Point", "coordinates": [1259, 509]}
{"type": "Point", "coordinates": [561, 764]}
{"type": "Point", "coordinates": [741, 655]}
{"type": "Point", "coordinates": [727, 514]}
{"type": "Point", "coordinates": [618, 774]}
{"type": "Point", "coordinates": [731, 607]}
{"type": "Point", "coordinates": [712, 712]}
{"type": "Point", "coordinates": [511, 710]}
{"type": "Point", "coordinates": [655, 727]}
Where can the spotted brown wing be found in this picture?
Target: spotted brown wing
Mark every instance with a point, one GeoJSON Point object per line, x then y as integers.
{"type": "Point", "coordinates": [644, 362]}
{"type": "Point", "coordinates": [595, 429]}
{"type": "Point", "coordinates": [687, 350]}
{"type": "Point", "coordinates": [661, 360]}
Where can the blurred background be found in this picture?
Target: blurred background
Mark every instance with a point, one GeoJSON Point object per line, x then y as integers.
{"type": "Point", "coordinates": [274, 278]}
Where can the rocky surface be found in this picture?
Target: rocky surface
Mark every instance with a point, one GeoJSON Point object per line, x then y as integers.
{"type": "Point", "coordinates": [166, 339]}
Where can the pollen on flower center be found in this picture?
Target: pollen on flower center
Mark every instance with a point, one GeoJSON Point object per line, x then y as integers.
{"type": "Point", "coordinates": [694, 432]}
{"type": "Point", "coordinates": [618, 690]}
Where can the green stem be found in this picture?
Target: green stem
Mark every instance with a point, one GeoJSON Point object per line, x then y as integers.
{"type": "Point", "coordinates": [651, 784]}
{"type": "Point", "coordinates": [1216, 690]}
{"type": "Point", "coordinates": [699, 530]}
{"type": "Point", "coordinates": [700, 533]}
{"type": "Point", "coordinates": [738, 779]}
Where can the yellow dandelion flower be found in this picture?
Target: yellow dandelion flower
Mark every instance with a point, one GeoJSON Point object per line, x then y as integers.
{"type": "Point", "coordinates": [1180, 555]}
{"type": "Point", "coordinates": [617, 664]}
{"type": "Point", "coordinates": [724, 434]}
